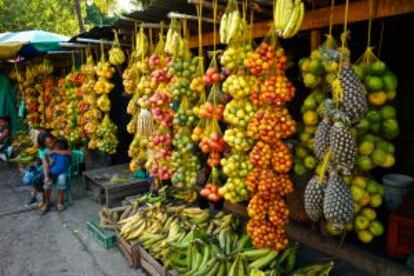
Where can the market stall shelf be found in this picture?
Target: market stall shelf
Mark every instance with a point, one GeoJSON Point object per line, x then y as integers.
{"type": "Point", "coordinates": [112, 184]}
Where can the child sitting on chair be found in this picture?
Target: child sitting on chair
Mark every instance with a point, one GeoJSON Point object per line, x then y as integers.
{"type": "Point", "coordinates": [58, 167]}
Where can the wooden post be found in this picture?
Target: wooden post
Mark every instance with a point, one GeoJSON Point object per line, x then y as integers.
{"type": "Point", "coordinates": [315, 39]}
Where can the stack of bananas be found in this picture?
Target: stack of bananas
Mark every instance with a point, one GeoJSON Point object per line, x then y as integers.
{"type": "Point", "coordinates": [288, 16]}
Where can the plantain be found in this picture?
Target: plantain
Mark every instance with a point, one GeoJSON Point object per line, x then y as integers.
{"type": "Point", "coordinates": [263, 261]}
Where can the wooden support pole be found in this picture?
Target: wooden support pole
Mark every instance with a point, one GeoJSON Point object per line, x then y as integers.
{"type": "Point", "coordinates": [319, 18]}
{"type": "Point", "coordinates": [315, 39]}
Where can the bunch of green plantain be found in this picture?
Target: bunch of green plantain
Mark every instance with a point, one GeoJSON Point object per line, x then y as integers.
{"type": "Point", "coordinates": [320, 269]}
{"type": "Point", "coordinates": [227, 253]}
{"type": "Point", "coordinates": [288, 16]}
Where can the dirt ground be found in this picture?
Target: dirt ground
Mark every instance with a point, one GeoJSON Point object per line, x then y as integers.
{"type": "Point", "coordinates": [54, 244]}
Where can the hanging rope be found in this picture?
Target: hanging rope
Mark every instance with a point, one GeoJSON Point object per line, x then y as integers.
{"type": "Point", "coordinates": [381, 38]}
{"type": "Point", "coordinates": [331, 17]}
{"type": "Point", "coordinates": [214, 26]}
{"type": "Point", "coordinates": [370, 3]}
{"type": "Point", "coordinates": [251, 25]}
{"type": "Point", "coordinates": [200, 28]}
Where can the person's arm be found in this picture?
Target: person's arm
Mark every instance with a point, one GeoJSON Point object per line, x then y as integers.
{"type": "Point", "coordinates": [45, 166]}
{"type": "Point", "coordinates": [64, 152]}
{"type": "Point", "coordinates": [4, 135]}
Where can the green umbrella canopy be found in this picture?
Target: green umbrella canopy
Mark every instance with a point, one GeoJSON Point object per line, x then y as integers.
{"type": "Point", "coordinates": [29, 43]}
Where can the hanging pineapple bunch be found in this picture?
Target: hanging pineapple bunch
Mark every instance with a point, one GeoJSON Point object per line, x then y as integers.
{"type": "Point", "coordinates": [375, 130]}
{"type": "Point", "coordinates": [335, 147]}
{"type": "Point", "coordinates": [318, 71]}
{"type": "Point", "coordinates": [159, 162]}
{"type": "Point", "coordinates": [269, 181]}
{"type": "Point", "coordinates": [104, 138]}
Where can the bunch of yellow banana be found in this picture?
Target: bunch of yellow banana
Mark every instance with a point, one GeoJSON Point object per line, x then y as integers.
{"type": "Point", "coordinates": [231, 23]}
{"type": "Point", "coordinates": [174, 43]}
{"type": "Point", "coordinates": [188, 196]}
{"type": "Point", "coordinates": [288, 16]}
{"type": "Point", "coordinates": [141, 44]}
{"type": "Point", "coordinates": [116, 56]}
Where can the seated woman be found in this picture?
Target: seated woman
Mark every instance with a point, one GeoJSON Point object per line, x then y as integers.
{"type": "Point", "coordinates": [5, 134]}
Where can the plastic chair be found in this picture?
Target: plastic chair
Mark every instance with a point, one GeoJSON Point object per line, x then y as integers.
{"type": "Point", "coordinates": [78, 158]}
{"type": "Point", "coordinates": [74, 170]}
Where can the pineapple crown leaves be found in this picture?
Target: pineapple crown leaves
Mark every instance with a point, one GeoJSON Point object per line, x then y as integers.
{"type": "Point", "coordinates": [334, 114]}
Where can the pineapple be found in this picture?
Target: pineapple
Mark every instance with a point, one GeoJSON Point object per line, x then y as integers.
{"type": "Point", "coordinates": [337, 203]}
{"type": "Point", "coordinates": [321, 138]}
{"type": "Point", "coordinates": [314, 193]}
{"type": "Point", "coordinates": [343, 145]}
{"type": "Point", "coordinates": [354, 102]}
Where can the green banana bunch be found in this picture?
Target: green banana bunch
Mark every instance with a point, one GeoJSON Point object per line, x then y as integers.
{"type": "Point", "coordinates": [320, 269]}
{"type": "Point", "coordinates": [288, 17]}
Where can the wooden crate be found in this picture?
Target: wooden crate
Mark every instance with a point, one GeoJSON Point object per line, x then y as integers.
{"type": "Point", "coordinates": [151, 265]}
{"type": "Point", "coordinates": [129, 250]}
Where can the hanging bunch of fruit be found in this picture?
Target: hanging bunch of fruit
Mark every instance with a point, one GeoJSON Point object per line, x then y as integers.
{"type": "Point", "coordinates": [59, 104]}
{"type": "Point", "coordinates": [116, 55]}
{"type": "Point", "coordinates": [327, 196]}
{"type": "Point", "coordinates": [159, 162]}
{"type": "Point", "coordinates": [271, 158]}
{"type": "Point", "coordinates": [134, 71]}
{"type": "Point", "coordinates": [104, 138]}
{"type": "Point", "coordinates": [38, 92]}
{"type": "Point", "coordinates": [137, 81]}
{"type": "Point", "coordinates": [72, 132]}
{"type": "Point", "coordinates": [208, 131]}
{"type": "Point", "coordinates": [237, 113]}
{"type": "Point", "coordinates": [379, 125]}
{"type": "Point", "coordinates": [318, 71]}
{"type": "Point", "coordinates": [89, 113]}
{"type": "Point", "coordinates": [367, 143]}
{"type": "Point", "coordinates": [185, 161]}
{"type": "Point", "coordinates": [374, 142]}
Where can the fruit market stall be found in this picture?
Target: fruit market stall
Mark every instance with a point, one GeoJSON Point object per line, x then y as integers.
{"type": "Point", "coordinates": [241, 108]}
{"type": "Point", "coordinates": [268, 132]}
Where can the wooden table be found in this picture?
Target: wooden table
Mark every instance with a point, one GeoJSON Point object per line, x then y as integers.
{"type": "Point", "coordinates": [106, 192]}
